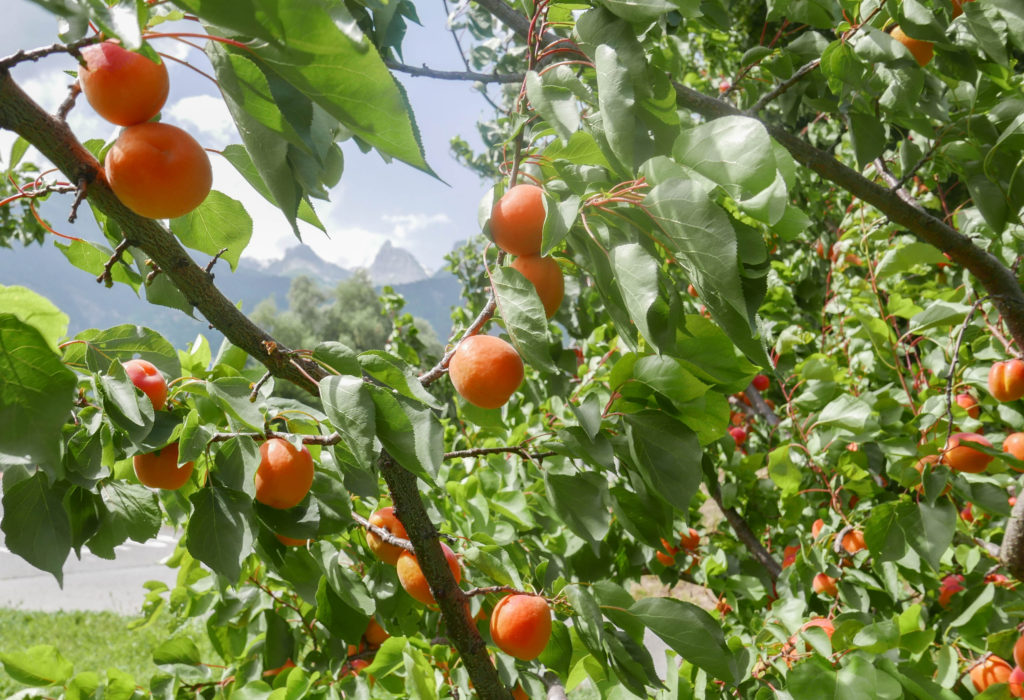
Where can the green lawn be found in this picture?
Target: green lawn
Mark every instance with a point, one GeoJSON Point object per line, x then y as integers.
{"type": "Point", "coordinates": [91, 641]}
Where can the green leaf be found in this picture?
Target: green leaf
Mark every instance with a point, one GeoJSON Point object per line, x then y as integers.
{"type": "Point", "coordinates": [232, 395]}
{"type": "Point", "coordinates": [350, 408]}
{"type": "Point", "coordinates": [124, 342]}
{"type": "Point", "coordinates": [555, 103]}
{"type": "Point", "coordinates": [36, 311]}
{"type": "Point", "coordinates": [636, 272]}
{"type": "Point", "coordinates": [867, 135]}
{"type": "Point", "coordinates": [394, 373]}
{"type": "Point", "coordinates": [812, 680]}
{"type": "Point", "coordinates": [219, 222]}
{"type": "Point", "coordinates": [588, 620]}
{"type": "Point", "coordinates": [242, 161]}
{"type": "Point", "coordinates": [903, 258]}
{"type": "Point", "coordinates": [639, 10]}
{"type": "Point", "coordinates": [580, 499]}
{"type": "Point", "coordinates": [36, 395]}
{"type": "Point", "coordinates": [558, 219]}
{"type": "Point", "coordinates": [939, 314]}
{"type": "Point", "coordinates": [419, 675]}
{"type": "Point", "coordinates": [134, 508]}
{"type": "Point", "coordinates": [691, 633]}
{"type": "Point", "coordinates": [784, 472]}
{"type": "Point", "coordinates": [219, 533]}
{"type": "Point", "coordinates": [339, 357]}
{"type": "Point", "coordinates": [667, 454]}
{"type": "Point", "coordinates": [524, 316]}
{"type": "Point", "coordinates": [668, 377]}
{"type": "Point", "coordinates": [734, 152]}
{"type": "Point", "coordinates": [929, 529]}
{"type": "Point", "coordinates": [126, 407]}
{"type": "Point", "coordinates": [324, 55]}
{"type": "Point", "coordinates": [178, 650]}
{"type": "Point", "coordinates": [410, 432]}
{"type": "Point", "coordinates": [37, 666]}
{"type": "Point", "coordinates": [35, 524]}
{"type": "Point", "coordinates": [616, 99]}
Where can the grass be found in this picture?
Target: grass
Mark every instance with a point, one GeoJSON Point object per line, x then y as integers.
{"type": "Point", "coordinates": [91, 641]}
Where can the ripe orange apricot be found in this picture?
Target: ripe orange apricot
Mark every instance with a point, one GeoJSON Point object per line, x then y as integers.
{"type": "Point", "coordinates": [666, 560]}
{"type": "Point", "coordinates": [824, 583]}
{"type": "Point", "coordinates": [952, 584]}
{"type": "Point", "coordinates": [158, 170]}
{"type": "Point", "coordinates": [546, 277]}
{"type": "Point", "coordinates": [147, 377]}
{"type": "Point", "coordinates": [822, 622]}
{"type": "Point", "coordinates": [1016, 681]}
{"type": "Point", "coordinates": [958, 7]}
{"type": "Point", "coordinates": [521, 625]}
{"type": "Point", "coordinates": [160, 470]}
{"type": "Point", "coordinates": [518, 693]}
{"type": "Point", "coordinates": [285, 474]}
{"type": "Point", "coordinates": [486, 371]}
{"type": "Point", "coordinates": [816, 528]}
{"type": "Point", "coordinates": [1018, 651]}
{"type": "Point", "coordinates": [1006, 380]}
{"type": "Point", "coordinates": [517, 220]}
{"type": "Point", "coordinates": [290, 541]}
{"type": "Point", "coordinates": [1014, 445]}
{"type": "Point", "coordinates": [963, 457]}
{"type": "Point", "coordinates": [413, 580]}
{"type": "Point", "coordinates": [922, 51]}
{"type": "Point", "coordinates": [375, 634]}
{"type": "Point", "coordinates": [789, 555]}
{"type": "Point", "coordinates": [689, 540]}
{"type": "Point", "coordinates": [989, 671]}
{"type": "Point", "coordinates": [385, 518]}
{"type": "Point", "coordinates": [123, 87]}
{"type": "Point", "coordinates": [853, 542]}
{"type": "Point", "coordinates": [969, 404]}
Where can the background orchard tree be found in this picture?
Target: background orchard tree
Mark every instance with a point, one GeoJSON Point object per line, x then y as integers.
{"type": "Point", "coordinates": [846, 217]}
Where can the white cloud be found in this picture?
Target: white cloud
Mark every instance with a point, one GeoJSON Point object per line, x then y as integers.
{"type": "Point", "coordinates": [404, 225]}
{"type": "Point", "coordinates": [205, 117]}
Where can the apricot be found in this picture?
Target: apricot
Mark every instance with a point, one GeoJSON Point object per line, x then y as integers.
{"type": "Point", "coordinates": [822, 622]}
{"type": "Point", "coordinates": [486, 371]}
{"type": "Point", "coordinates": [816, 528]}
{"type": "Point", "coordinates": [922, 51]}
{"type": "Point", "coordinates": [385, 518]}
{"type": "Point", "coordinates": [952, 584]}
{"type": "Point", "coordinates": [853, 542]}
{"type": "Point", "coordinates": [1016, 681]}
{"type": "Point", "coordinates": [963, 457]}
{"type": "Point", "coordinates": [959, 10]}
{"type": "Point", "coordinates": [789, 556]}
{"type": "Point", "coordinates": [1006, 380]}
{"type": "Point", "coordinates": [969, 404]}
{"type": "Point", "coordinates": [518, 693]}
{"type": "Point", "coordinates": [415, 583]}
{"type": "Point", "coordinates": [147, 377]}
{"type": "Point", "coordinates": [521, 625]}
{"type": "Point", "coordinates": [123, 87]}
{"type": "Point", "coordinates": [1018, 651]}
{"type": "Point", "coordinates": [824, 583]}
{"type": "Point", "coordinates": [666, 560]}
{"type": "Point", "coordinates": [290, 541]}
{"type": "Point", "coordinates": [761, 382]}
{"type": "Point", "coordinates": [989, 671]}
{"type": "Point", "coordinates": [690, 540]}
{"type": "Point", "coordinates": [160, 470]}
{"type": "Point", "coordinates": [375, 634]}
{"type": "Point", "coordinates": [739, 435]}
{"type": "Point", "coordinates": [1014, 445]}
{"type": "Point", "coordinates": [285, 474]}
{"type": "Point", "coordinates": [158, 170]}
{"type": "Point", "coordinates": [546, 277]}
{"type": "Point", "coordinates": [517, 220]}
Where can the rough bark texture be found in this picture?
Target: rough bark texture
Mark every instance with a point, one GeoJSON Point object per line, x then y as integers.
{"type": "Point", "coordinates": [54, 139]}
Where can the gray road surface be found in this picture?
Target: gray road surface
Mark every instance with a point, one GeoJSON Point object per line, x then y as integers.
{"type": "Point", "coordinates": [90, 583]}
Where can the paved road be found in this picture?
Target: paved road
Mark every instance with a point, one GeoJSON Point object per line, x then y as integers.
{"type": "Point", "coordinates": [90, 583]}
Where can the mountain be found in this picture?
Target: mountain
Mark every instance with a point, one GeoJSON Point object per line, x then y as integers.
{"type": "Point", "coordinates": [301, 260]}
{"type": "Point", "coordinates": [393, 265]}
{"type": "Point", "coordinates": [91, 305]}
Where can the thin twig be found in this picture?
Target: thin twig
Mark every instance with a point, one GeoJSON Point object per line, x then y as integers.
{"type": "Point", "coordinates": [784, 86]}
{"type": "Point", "coordinates": [917, 166]}
{"type": "Point", "coordinates": [154, 270]}
{"type": "Point", "coordinates": [438, 370]}
{"type": "Point", "coordinates": [106, 277]}
{"type": "Point", "coordinates": [325, 440]}
{"type": "Point", "coordinates": [513, 449]}
{"type": "Point", "coordinates": [762, 408]}
{"type": "Point", "coordinates": [951, 375]}
{"type": "Point", "coordinates": [487, 590]}
{"type": "Point", "coordinates": [425, 71]}
{"type": "Point", "coordinates": [209, 265]}
{"type": "Point", "coordinates": [35, 54]}
{"type": "Point", "coordinates": [259, 385]}
{"type": "Point", "coordinates": [81, 190]}
{"type": "Point", "coordinates": [69, 102]}
{"type": "Point", "coordinates": [383, 533]}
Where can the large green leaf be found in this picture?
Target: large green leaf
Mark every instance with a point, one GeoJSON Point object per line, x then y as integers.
{"type": "Point", "coordinates": [350, 408]}
{"type": "Point", "coordinates": [319, 49]}
{"type": "Point", "coordinates": [125, 342]}
{"type": "Point", "coordinates": [219, 533]}
{"type": "Point", "coordinates": [580, 498]}
{"type": "Point", "coordinates": [242, 161]}
{"type": "Point", "coordinates": [36, 395]}
{"type": "Point", "coordinates": [524, 316]}
{"type": "Point", "coordinates": [36, 311]}
{"type": "Point", "coordinates": [219, 222]}
{"type": "Point", "coordinates": [35, 524]}
{"type": "Point", "coordinates": [668, 455]}
{"type": "Point", "coordinates": [690, 632]}
{"type": "Point", "coordinates": [40, 665]}
{"type": "Point", "coordinates": [410, 432]}
{"type": "Point", "coordinates": [734, 152]}
{"type": "Point", "coordinates": [616, 99]}
{"type": "Point", "coordinates": [636, 272]}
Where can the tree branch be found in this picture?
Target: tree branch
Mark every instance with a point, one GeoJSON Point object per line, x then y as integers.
{"type": "Point", "coordinates": [385, 535]}
{"type": "Point", "coordinates": [426, 72]}
{"type": "Point", "coordinates": [746, 535]}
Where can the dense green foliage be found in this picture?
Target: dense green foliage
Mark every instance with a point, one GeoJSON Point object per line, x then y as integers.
{"type": "Point", "coordinates": [617, 441]}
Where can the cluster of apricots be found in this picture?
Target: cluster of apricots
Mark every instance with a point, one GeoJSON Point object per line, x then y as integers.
{"type": "Point", "coordinates": [486, 370]}
{"type": "Point", "coordinates": [688, 541]}
{"type": "Point", "coordinates": [921, 50]}
{"type": "Point", "coordinates": [283, 478]}
{"type": "Point", "coordinates": [157, 170]}
{"type": "Point", "coordinates": [991, 669]}
{"type": "Point", "coordinates": [520, 623]}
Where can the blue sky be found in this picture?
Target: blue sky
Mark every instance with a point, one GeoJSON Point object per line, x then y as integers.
{"type": "Point", "coordinates": [373, 202]}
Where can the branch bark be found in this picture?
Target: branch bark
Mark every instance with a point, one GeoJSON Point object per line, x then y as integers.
{"type": "Point", "coordinates": [55, 141]}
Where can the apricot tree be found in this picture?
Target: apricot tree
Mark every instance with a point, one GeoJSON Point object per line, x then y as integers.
{"type": "Point", "coordinates": [845, 219]}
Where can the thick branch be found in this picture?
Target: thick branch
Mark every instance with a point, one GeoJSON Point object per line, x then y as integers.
{"type": "Point", "coordinates": [426, 72]}
{"type": "Point", "coordinates": [997, 279]}
{"type": "Point", "coordinates": [56, 142]}
{"type": "Point", "coordinates": [746, 535]}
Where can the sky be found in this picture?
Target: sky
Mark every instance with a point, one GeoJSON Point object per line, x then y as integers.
{"type": "Point", "coordinates": [374, 201]}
